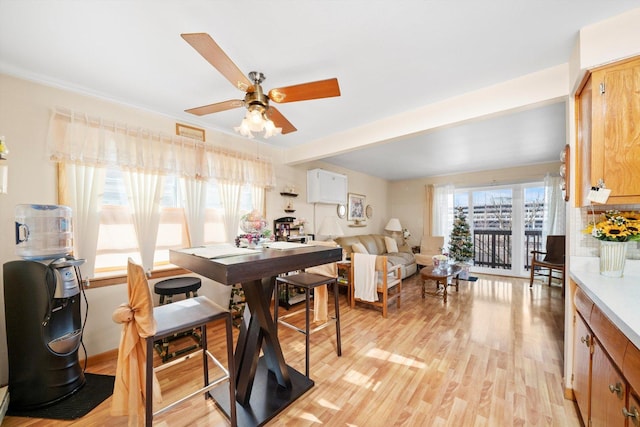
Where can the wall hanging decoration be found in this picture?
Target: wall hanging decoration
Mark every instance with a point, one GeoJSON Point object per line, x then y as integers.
{"type": "Point", "coordinates": [356, 210]}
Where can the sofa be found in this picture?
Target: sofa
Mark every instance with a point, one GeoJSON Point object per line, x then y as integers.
{"type": "Point", "coordinates": [375, 245]}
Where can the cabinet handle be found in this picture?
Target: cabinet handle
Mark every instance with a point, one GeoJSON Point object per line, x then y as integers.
{"type": "Point", "coordinates": [586, 340]}
{"type": "Point", "coordinates": [617, 389]}
{"type": "Point", "coordinates": [634, 415]}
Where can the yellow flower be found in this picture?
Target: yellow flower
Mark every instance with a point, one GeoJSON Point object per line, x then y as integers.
{"type": "Point", "coordinates": [616, 226]}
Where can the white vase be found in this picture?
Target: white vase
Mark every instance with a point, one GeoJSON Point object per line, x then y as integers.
{"type": "Point", "coordinates": [612, 258]}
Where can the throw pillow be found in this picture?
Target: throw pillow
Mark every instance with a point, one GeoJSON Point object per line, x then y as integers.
{"type": "Point", "coordinates": [359, 248]}
{"type": "Point", "coordinates": [391, 244]}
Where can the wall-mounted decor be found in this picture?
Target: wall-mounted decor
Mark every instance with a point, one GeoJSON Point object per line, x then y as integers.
{"type": "Point", "coordinates": [341, 210]}
{"type": "Point", "coordinates": [190, 132]}
{"type": "Point", "coordinates": [564, 172]}
{"type": "Point", "coordinates": [356, 210]}
{"type": "Point", "coordinates": [369, 211]}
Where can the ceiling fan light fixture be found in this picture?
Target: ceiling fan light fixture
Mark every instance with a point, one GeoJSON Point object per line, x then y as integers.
{"type": "Point", "coordinates": [244, 129]}
{"type": "Point", "coordinates": [270, 129]}
{"type": "Point", "coordinates": [255, 121]}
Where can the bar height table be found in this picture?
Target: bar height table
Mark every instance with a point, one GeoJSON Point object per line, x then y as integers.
{"type": "Point", "coordinates": [264, 385]}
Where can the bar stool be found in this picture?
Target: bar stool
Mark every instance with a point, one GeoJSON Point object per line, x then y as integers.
{"type": "Point", "coordinates": [168, 288]}
{"type": "Point", "coordinates": [162, 322]}
{"type": "Point", "coordinates": [308, 281]}
{"type": "Point", "coordinates": [177, 285]}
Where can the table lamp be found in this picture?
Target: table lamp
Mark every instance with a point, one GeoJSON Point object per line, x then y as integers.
{"type": "Point", "coordinates": [330, 227]}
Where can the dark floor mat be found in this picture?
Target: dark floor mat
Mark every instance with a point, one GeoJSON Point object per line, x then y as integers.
{"type": "Point", "coordinates": [96, 389]}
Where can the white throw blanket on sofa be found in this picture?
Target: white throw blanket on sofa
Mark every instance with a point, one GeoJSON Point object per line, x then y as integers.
{"type": "Point", "coordinates": [364, 277]}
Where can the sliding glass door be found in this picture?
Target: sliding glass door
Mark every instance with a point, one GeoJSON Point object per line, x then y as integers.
{"type": "Point", "coordinates": [505, 224]}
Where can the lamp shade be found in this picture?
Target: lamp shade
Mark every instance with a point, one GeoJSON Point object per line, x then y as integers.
{"type": "Point", "coordinates": [393, 225]}
{"type": "Point", "coordinates": [330, 227]}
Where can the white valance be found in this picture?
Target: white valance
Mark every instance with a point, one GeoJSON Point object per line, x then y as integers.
{"type": "Point", "coordinates": [76, 137]}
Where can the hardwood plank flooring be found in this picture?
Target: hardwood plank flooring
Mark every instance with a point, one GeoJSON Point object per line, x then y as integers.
{"type": "Point", "coordinates": [491, 356]}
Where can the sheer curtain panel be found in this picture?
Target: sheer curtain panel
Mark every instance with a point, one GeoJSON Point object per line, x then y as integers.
{"type": "Point", "coordinates": [230, 195]}
{"type": "Point", "coordinates": [81, 187]}
{"type": "Point", "coordinates": [553, 220]}
{"type": "Point", "coordinates": [145, 191]}
{"type": "Point", "coordinates": [443, 211]}
{"type": "Point", "coordinates": [195, 200]}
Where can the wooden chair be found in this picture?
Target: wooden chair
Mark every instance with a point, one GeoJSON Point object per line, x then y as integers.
{"type": "Point", "coordinates": [388, 283]}
{"type": "Point", "coordinates": [136, 388]}
{"type": "Point", "coordinates": [553, 260]}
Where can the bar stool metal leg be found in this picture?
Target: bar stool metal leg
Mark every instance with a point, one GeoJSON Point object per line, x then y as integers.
{"type": "Point", "coordinates": [306, 335]}
{"type": "Point", "coordinates": [337, 313]}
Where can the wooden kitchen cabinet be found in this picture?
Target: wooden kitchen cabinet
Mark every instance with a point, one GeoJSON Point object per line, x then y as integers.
{"type": "Point", "coordinates": [633, 412]}
{"type": "Point", "coordinates": [606, 368]}
{"type": "Point", "coordinates": [608, 113]}
{"type": "Point", "coordinates": [608, 390]}
{"type": "Point", "coordinates": [582, 367]}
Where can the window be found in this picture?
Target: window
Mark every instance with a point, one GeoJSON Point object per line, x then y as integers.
{"type": "Point", "coordinates": [117, 238]}
{"type": "Point", "coordinates": [85, 146]}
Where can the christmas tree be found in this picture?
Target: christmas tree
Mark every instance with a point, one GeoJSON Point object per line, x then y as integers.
{"type": "Point", "coordinates": [460, 244]}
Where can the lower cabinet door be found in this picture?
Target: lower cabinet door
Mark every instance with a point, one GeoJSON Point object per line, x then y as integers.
{"type": "Point", "coordinates": [582, 367]}
{"type": "Point", "coordinates": [632, 411]}
{"type": "Point", "coordinates": [608, 391]}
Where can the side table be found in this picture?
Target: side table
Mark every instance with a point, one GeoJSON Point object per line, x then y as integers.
{"type": "Point", "coordinates": [438, 276]}
{"type": "Point", "coordinates": [345, 277]}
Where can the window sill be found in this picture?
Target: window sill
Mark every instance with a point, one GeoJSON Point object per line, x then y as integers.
{"type": "Point", "coordinates": [118, 279]}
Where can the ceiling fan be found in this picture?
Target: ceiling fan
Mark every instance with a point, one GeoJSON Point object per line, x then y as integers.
{"type": "Point", "coordinates": [260, 115]}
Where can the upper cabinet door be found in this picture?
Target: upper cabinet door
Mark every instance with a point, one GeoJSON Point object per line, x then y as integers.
{"type": "Point", "coordinates": [609, 145]}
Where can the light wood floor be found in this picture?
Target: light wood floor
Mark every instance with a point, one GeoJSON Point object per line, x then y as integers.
{"type": "Point", "coordinates": [491, 356]}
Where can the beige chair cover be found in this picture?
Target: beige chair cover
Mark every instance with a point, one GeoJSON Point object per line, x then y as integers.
{"type": "Point", "coordinates": [137, 323]}
{"type": "Point", "coordinates": [320, 298]}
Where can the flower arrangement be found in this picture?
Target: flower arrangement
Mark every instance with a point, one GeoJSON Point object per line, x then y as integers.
{"type": "Point", "coordinates": [255, 230]}
{"type": "Point", "coordinates": [440, 261]}
{"type": "Point", "coordinates": [616, 226]}
{"type": "Point", "coordinates": [253, 222]}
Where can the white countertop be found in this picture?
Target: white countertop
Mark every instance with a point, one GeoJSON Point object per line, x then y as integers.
{"type": "Point", "coordinates": [618, 298]}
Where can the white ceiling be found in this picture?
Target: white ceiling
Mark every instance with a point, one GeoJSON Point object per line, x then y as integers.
{"type": "Point", "coordinates": [390, 57]}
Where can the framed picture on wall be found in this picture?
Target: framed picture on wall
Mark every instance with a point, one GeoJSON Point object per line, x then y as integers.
{"type": "Point", "coordinates": [356, 208]}
{"type": "Point", "coordinates": [189, 131]}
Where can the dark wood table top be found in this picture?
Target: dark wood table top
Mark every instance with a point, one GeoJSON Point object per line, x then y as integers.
{"type": "Point", "coordinates": [263, 263]}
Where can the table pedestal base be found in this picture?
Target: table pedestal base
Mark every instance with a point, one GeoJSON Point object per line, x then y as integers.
{"type": "Point", "coordinates": [267, 397]}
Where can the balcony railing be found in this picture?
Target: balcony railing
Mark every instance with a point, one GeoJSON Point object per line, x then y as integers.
{"type": "Point", "coordinates": [492, 248]}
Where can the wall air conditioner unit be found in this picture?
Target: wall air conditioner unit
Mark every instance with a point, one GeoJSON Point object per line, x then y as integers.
{"type": "Point", "coordinates": [326, 187]}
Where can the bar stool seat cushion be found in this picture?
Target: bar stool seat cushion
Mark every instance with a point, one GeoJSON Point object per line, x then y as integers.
{"type": "Point", "coordinates": [177, 285]}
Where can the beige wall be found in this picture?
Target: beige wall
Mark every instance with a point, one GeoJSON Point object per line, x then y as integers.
{"type": "Point", "coordinates": [24, 117]}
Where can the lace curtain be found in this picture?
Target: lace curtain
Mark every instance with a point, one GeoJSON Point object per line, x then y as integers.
{"type": "Point", "coordinates": [78, 138]}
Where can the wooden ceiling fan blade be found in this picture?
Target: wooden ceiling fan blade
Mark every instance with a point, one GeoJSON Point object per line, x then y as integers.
{"type": "Point", "coordinates": [209, 49]}
{"type": "Point", "coordinates": [305, 91]}
{"type": "Point", "coordinates": [280, 121]}
{"type": "Point", "coordinates": [217, 107]}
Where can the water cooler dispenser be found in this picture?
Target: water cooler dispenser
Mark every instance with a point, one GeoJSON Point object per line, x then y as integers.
{"type": "Point", "coordinates": [42, 309]}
